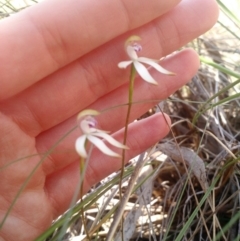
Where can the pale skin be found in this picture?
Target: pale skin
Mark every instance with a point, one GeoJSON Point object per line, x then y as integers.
{"type": "Point", "coordinates": [60, 57]}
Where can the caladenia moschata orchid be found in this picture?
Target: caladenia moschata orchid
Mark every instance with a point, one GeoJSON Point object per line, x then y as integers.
{"type": "Point", "coordinates": [132, 47]}
{"type": "Point", "coordinates": [91, 134]}
{"type": "Point", "coordinates": [97, 137]}
{"type": "Point", "coordinates": [137, 66]}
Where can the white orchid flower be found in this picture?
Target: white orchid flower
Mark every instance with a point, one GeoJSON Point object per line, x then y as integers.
{"type": "Point", "coordinates": [132, 48]}
{"type": "Point", "coordinates": [95, 136]}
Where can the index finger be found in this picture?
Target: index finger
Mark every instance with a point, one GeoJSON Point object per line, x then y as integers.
{"type": "Point", "coordinates": [47, 36]}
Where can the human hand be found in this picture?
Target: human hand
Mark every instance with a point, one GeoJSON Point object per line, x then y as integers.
{"type": "Point", "coordinates": [60, 57]}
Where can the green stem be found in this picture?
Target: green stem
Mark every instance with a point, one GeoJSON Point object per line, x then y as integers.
{"type": "Point", "coordinates": [130, 101]}
{"type": "Point", "coordinates": [82, 168]}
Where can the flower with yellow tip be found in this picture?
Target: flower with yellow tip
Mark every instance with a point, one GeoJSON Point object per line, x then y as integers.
{"type": "Point", "coordinates": [132, 47]}
{"type": "Point", "coordinates": [94, 135]}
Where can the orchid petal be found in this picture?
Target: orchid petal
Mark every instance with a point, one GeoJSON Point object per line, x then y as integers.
{"type": "Point", "coordinates": [80, 146]}
{"type": "Point", "coordinates": [102, 146]}
{"type": "Point", "coordinates": [84, 125]}
{"type": "Point", "coordinates": [143, 72]}
{"type": "Point", "coordinates": [111, 140]}
{"type": "Point", "coordinates": [100, 131]}
{"type": "Point", "coordinates": [132, 39]}
{"type": "Point", "coordinates": [155, 65]}
{"type": "Point", "coordinates": [87, 112]}
{"type": "Point", "coordinates": [131, 52]}
{"type": "Point", "coordinates": [124, 64]}
{"type": "Point", "coordinates": [92, 131]}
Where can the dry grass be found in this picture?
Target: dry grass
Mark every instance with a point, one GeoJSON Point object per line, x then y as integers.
{"type": "Point", "coordinates": [204, 158]}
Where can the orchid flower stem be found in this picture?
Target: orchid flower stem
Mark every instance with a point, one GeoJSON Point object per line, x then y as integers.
{"type": "Point", "coordinates": [82, 168]}
{"type": "Point", "coordinates": [130, 99]}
